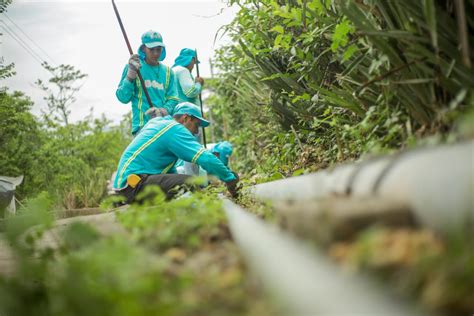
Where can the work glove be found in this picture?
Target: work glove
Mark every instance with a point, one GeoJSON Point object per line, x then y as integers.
{"type": "Point", "coordinates": [156, 112]}
{"type": "Point", "coordinates": [200, 80]}
{"type": "Point", "coordinates": [233, 187]}
{"type": "Point", "coordinates": [133, 67]}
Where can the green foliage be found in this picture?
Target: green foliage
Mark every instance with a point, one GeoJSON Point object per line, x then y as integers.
{"type": "Point", "coordinates": [185, 222]}
{"type": "Point", "coordinates": [6, 71]}
{"type": "Point", "coordinates": [316, 82]}
{"type": "Point", "coordinates": [466, 124]}
{"type": "Point", "coordinates": [261, 209]}
{"type": "Point", "coordinates": [21, 140]}
{"type": "Point", "coordinates": [60, 90]}
{"type": "Point", "coordinates": [90, 274]}
{"type": "Point", "coordinates": [341, 35]}
{"type": "Point", "coordinates": [34, 213]}
{"type": "Point", "coordinates": [108, 277]}
{"type": "Point", "coordinates": [113, 277]}
{"type": "Point", "coordinates": [4, 4]}
{"type": "Point", "coordinates": [418, 263]}
{"type": "Point", "coordinates": [80, 159]}
{"type": "Point", "coordinates": [72, 161]}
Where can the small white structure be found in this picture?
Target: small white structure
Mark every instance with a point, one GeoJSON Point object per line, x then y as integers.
{"type": "Point", "coordinates": [7, 193]}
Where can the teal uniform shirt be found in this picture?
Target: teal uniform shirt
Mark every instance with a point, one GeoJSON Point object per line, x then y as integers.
{"type": "Point", "coordinates": [159, 145]}
{"type": "Point", "coordinates": [160, 83]}
{"type": "Point", "coordinates": [188, 89]}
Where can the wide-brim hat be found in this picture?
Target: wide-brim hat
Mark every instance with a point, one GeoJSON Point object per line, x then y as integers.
{"type": "Point", "coordinates": [185, 57]}
{"type": "Point", "coordinates": [225, 150]}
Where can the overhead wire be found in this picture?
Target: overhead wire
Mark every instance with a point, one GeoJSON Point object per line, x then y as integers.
{"type": "Point", "coordinates": [32, 52]}
{"type": "Point", "coordinates": [32, 41]}
{"type": "Point", "coordinates": [9, 31]}
{"type": "Point", "coordinates": [24, 45]}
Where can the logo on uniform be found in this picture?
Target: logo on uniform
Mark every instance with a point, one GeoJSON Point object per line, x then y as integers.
{"type": "Point", "coordinates": [153, 84]}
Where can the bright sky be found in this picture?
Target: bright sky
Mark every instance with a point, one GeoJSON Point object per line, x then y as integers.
{"type": "Point", "coordinates": [86, 34]}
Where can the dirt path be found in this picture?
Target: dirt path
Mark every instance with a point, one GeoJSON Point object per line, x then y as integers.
{"type": "Point", "coordinates": [105, 224]}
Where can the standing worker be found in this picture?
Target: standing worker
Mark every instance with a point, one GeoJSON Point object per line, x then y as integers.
{"type": "Point", "coordinates": [188, 91]}
{"type": "Point", "coordinates": [151, 157]}
{"type": "Point", "coordinates": [158, 78]}
{"type": "Point", "coordinates": [188, 87]}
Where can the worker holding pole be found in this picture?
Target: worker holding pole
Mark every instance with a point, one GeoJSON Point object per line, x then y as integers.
{"type": "Point", "coordinates": [188, 87]}
{"type": "Point", "coordinates": [158, 97]}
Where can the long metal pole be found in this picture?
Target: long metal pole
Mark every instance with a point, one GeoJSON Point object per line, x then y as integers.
{"type": "Point", "coordinates": [303, 280]}
{"type": "Point", "coordinates": [436, 183]}
{"type": "Point", "coordinates": [131, 53]}
{"type": "Point", "coordinates": [200, 101]}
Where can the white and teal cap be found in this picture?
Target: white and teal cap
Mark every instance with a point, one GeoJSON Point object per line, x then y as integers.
{"type": "Point", "coordinates": [190, 109]}
{"type": "Point", "coordinates": [152, 39]}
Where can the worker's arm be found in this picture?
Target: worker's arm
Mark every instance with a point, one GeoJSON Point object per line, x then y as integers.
{"type": "Point", "coordinates": [126, 88]}
{"type": "Point", "coordinates": [190, 88]}
{"type": "Point", "coordinates": [171, 93]}
{"type": "Point", "coordinates": [185, 146]}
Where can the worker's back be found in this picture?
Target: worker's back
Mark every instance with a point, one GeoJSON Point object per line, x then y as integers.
{"type": "Point", "coordinates": [148, 153]}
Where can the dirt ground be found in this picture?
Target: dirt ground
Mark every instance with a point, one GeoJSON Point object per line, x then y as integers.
{"type": "Point", "coordinates": [105, 224]}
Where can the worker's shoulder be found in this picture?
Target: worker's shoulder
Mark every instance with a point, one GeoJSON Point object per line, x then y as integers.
{"type": "Point", "coordinates": [167, 123]}
{"type": "Point", "coordinates": [159, 69]}
{"type": "Point", "coordinates": [158, 127]}
{"type": "Point", "coordinates": [164, 67]}
{"type": "Point", "coordinates": [180, 69]}
{"type": "Point", "coordinates": [179, 128]}
{"type": "Point", "coordinates": [180, 132]}
{"type": "Point", "coordinates": [160, 121]}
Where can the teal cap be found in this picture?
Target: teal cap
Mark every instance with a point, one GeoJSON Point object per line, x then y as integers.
{"type": "Point", "coordinates": [185, 57]}
{"type": "Point", "coordinates": [225, 151]}
{"type": "Point", "coordinates": [190, 109]}
{"type": "Point", "coordinates": [153, 39]}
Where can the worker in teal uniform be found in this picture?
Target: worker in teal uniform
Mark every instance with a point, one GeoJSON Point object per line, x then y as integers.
{"type": "Point", "coordinates": [222, 150]}
{"type": "Point", "coordinates": [150, 158]}
{"type": "Point", "coordinates": [188, 89]}
{"type": "Point", "coordinates": [187, 86]}
{"type": "Point", "coordinates": [158, 79]}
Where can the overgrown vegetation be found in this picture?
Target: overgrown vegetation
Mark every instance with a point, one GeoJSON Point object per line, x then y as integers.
{"type": "Point", "coordinates": [177, 262]}
{"type": "Point", "coordinates": [72, 162]}
{"type": "Point", "coordinates": [184, 223]}
{"type": "Point", "coordinates": [307, 83]}
{"type": "Point", "coordinates": [304, 85]}
{"type": "Point", "coordinates": [439, 272]}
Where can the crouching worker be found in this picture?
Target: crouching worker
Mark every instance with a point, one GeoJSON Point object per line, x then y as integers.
{"type": "Point", "coordinates": [151, 156]}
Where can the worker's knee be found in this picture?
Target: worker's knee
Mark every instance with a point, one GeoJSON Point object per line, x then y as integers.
{"type": "Point", "coordinates": [170, 184]}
